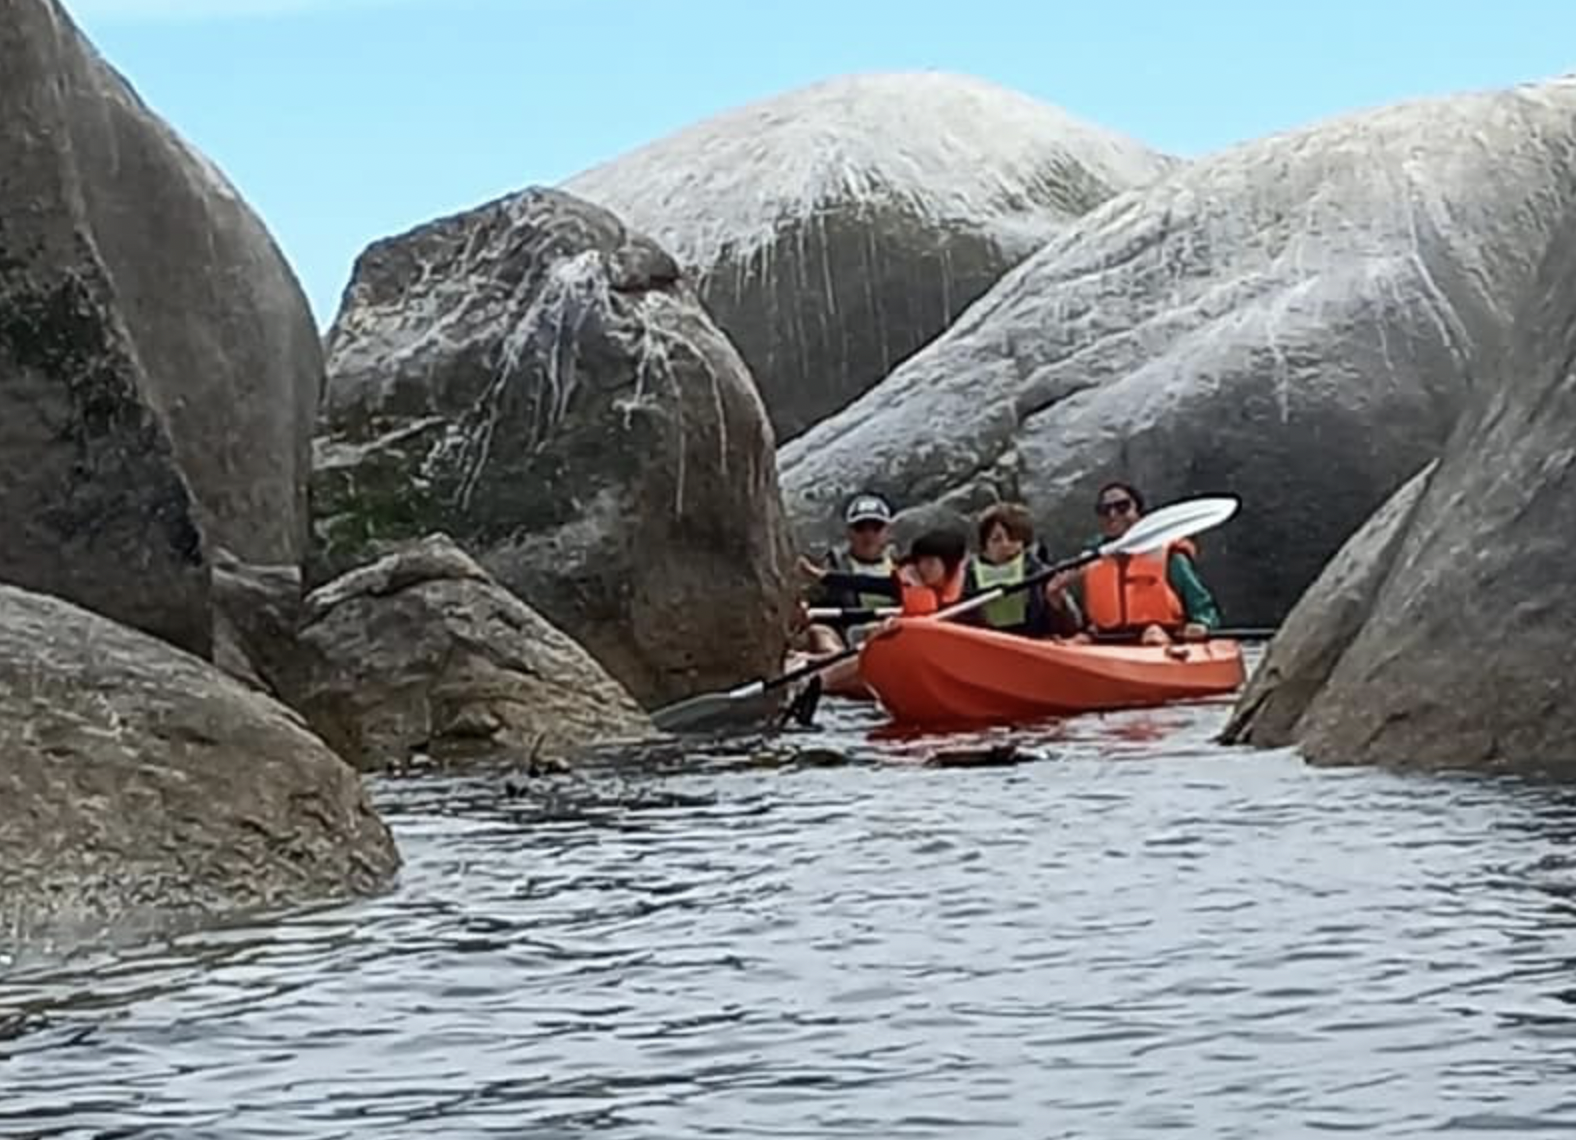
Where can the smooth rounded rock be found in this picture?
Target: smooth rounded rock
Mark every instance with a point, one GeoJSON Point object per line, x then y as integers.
{"type": "Point", "coordinates": [159, 365]}
{"type": "Point", "coordinates": [422, 657]}
{"type": "Point", "coordinates": [835, 228]}
{"type": "Point", "coordinates": [140, 785]}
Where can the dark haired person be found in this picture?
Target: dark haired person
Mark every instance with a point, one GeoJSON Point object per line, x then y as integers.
{"type": "Point", "coordinates": [1155, 596]}
{"type": "Point", "coordinates": [927, 579]}
{"type": "Point", "coordinates": [1003, 558]}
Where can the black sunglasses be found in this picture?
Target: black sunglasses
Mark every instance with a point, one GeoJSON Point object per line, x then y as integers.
{"type": "Point", "coordinates": [1114, 507]}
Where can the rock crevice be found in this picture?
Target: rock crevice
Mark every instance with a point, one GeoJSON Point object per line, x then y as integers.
{"type": "Point", "coordinates": [1453, 650]}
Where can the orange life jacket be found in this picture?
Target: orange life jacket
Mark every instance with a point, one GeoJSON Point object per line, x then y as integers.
{"type": "Point", "coordinates": [920, 600]}
{"type": "Point", "coordinates": [1130, 591]}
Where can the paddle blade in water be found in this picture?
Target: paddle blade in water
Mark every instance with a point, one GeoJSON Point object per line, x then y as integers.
{"type": "Point", "coordinates": [696, 714]}
{"type": "Point", "coordinates": [1173, 523]}
{"type": "Point", "coordinates": [711, 712]}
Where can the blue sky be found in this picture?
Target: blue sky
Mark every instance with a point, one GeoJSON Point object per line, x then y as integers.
{"type": "Point", "coordinates": [346, 120]}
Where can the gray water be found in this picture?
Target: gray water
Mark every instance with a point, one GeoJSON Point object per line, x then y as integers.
{"type": "Point", "coordinates": [1129, 933]}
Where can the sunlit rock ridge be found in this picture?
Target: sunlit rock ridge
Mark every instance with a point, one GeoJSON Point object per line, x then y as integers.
{"type": "Point", "coordinates": [836, 228]}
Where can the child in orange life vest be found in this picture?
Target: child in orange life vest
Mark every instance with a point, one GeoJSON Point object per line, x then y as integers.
{"type": "Point", "coordinates": [928, 578]}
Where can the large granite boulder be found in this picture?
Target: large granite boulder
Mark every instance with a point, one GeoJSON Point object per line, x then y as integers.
{"type": "Point", "coordinates": [536, 380]}
{"type": "Point", "coordinates": [836, 228]}
{"type": "Point", "coordinates": [1316, 632]}
{"type": "Point", "coordinates": [140, 784]}
{"type": "Point", "coordinates": [159, 366]}
{"type": "Point", "coordinates": [1465, 656]}
{"type": "Point", "coordinates": [1299, 320]}
{"type": "Point", "coordinates": [421, 657]}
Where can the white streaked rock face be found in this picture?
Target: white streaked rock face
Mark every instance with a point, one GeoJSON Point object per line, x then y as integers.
{"type": "Point", "coordinates": [1299, 320]}
{"type": "Point", "coordinates": [836, 228]}
{"type": "Point", "coordinates": [537, 381]}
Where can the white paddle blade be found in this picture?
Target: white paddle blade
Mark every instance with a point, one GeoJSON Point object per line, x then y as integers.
{"type": "Point", "coordinates": [1173, 523]}
{"type": "Point", "coordinates": [713, 710]}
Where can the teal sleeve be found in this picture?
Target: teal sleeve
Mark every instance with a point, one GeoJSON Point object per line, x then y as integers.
{"type": "Point", "coordinates": [1197, 601]}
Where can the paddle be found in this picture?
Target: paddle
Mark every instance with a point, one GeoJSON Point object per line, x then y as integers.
{"type": "Point", "coordinates": [1225, 633]}
{"type": "Point", "coordinates": [1152, 532]}
{"type": "Point", "coordinates": [858, 616]}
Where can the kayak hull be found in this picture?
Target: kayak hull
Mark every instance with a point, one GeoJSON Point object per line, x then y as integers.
{"type": "Point", "coordinates": [933, 673]}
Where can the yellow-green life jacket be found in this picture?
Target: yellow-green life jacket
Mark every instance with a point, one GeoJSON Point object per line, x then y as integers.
{"type": "Point", "coordinates": [1011, 611]}
{"type": "Point", "coordinates": [881, 569]}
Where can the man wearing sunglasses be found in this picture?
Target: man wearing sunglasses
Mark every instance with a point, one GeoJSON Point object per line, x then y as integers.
{"type": "Point", "coordinates": [868, 553]}
{"type": "Point", "coordinates": [1153, 597]}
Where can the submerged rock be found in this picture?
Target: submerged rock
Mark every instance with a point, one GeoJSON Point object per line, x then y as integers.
{"type": "Point", "coordinates": [1004, 755]}
{"type": "Point", "coordinates": [535, 380]}
{"type": "Point", "coordinates": [1299, 320]}
{"type": "Point", "coordinates": [422, 654]}
{"type": "Point", "coordinates": [1464, 656]}
{"type": "Point", "coordinates": [159, 366]}
{"type": "Point", "coordinates": [139, 784]}
{"type": "Point", "coordinates": [838, 227]}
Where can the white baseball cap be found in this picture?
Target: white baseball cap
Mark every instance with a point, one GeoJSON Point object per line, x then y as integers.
{"type": "Point", "coordinates": [867, 508]}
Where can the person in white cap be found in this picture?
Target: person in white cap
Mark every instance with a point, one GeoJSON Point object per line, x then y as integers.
{"type": "Point", "coordinates": [867, 554]}
{"type": "Point", "coordinates": [868, 518]}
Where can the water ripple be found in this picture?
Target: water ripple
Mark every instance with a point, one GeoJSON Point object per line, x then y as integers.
{"type": "Point", "coordinates": [1131, 934]}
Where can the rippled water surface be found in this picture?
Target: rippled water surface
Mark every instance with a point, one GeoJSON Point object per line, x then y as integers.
{"type": "Point", "coordinates": [1130, 933]}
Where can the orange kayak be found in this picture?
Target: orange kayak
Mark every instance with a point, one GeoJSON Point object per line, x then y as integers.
{"type": "Point", "coordinates": [930, 672]}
